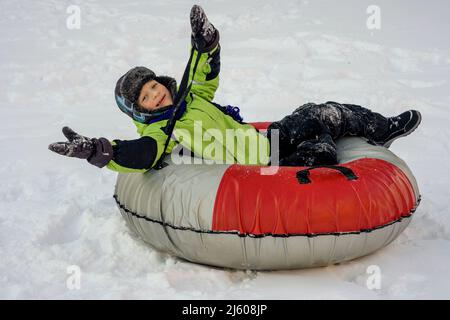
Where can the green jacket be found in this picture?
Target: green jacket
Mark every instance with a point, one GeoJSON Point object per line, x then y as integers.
{"type": "Point", "coordinates": [204, 129]}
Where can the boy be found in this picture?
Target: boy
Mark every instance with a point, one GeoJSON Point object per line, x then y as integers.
{"type": "Point", "coordinates": [306, 137]}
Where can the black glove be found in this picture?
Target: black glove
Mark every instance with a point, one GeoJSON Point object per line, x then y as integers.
{"type": "Point", "coordinates": [320, 151]}
{"type": "Point", "coordinates": [204, 36]}
{"type": "Point", "coordinates": [97, 151]}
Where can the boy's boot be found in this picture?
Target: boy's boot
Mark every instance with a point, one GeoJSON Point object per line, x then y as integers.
{"type": "Point", "coordinates": [400, 126]}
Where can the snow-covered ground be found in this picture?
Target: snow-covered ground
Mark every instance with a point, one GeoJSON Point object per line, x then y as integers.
{"type": "Point", "coordinates": [56, 212]}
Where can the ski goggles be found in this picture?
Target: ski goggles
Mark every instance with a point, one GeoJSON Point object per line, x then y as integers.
{"type": "Point", "coordinates": [137, 114]}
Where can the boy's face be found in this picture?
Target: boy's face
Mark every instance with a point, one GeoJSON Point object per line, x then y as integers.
{"type": "Point", "coordinates": [154, 95]}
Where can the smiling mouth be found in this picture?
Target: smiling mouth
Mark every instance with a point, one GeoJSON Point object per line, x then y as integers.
{"type": "Point", "coordinates": [161, 101]}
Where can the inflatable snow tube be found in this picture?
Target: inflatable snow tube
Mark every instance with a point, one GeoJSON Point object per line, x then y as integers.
{"type": "Point", "coordinates": [232, 216]}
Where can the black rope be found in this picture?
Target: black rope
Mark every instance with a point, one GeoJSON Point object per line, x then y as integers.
{"type": "Point", "coordinates": [263, 235]}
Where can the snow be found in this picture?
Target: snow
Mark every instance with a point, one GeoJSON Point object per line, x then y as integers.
{"type": "Point", "coordinates": [57, 212]}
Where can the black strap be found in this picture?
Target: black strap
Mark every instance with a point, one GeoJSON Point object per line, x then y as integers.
{"type": "Point", "coordinates": [303, 175]}
{"type": "Point", "coordinates": [179, 98]}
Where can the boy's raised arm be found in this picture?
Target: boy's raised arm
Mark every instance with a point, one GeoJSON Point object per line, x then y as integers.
{"type": "Point", "coordinates": [204, 35]}
{"type": "Point", "coordinates": [205, 40]}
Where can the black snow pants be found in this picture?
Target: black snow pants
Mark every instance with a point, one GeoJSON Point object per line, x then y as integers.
{"type": "Point", "coordinates": [307, 136]}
